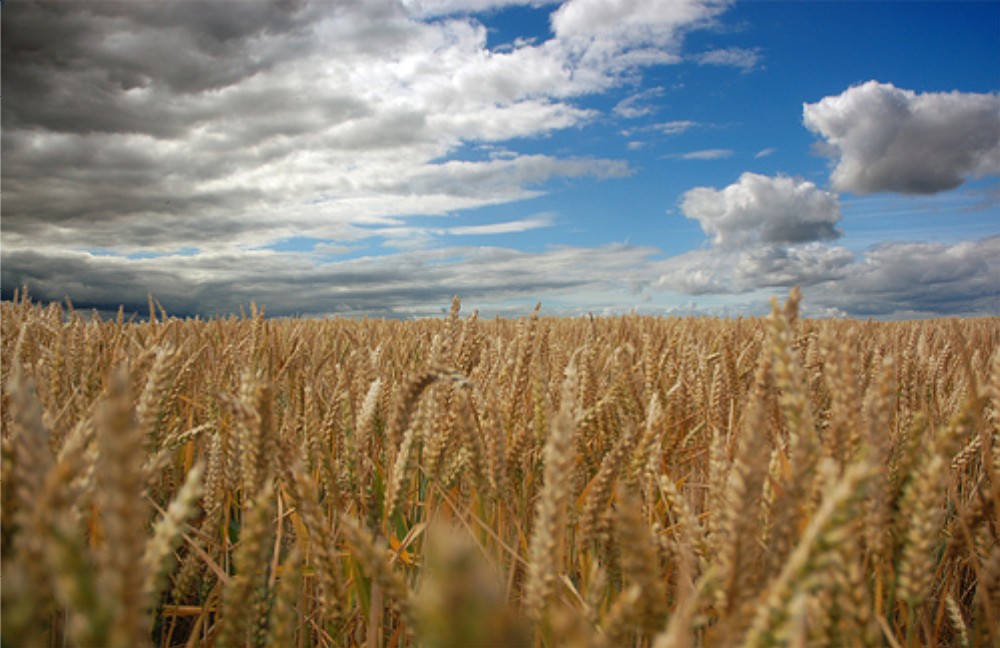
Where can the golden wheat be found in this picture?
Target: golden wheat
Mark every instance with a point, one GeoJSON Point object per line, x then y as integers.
{"type": "Point", "coordinates": [625, 481]}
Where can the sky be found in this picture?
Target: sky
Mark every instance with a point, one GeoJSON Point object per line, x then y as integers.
{"type": "Point", "coordinates": [598, 156]}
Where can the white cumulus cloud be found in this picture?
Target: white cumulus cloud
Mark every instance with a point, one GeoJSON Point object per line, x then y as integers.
{"type": "Point", "coordinates": [632, 21]}
{"type": "Point", "coordinates": [891, 139]}
{"type": "Point", "coordinates": [763, 209]}
{"type": "Point", "coordinates": [431, 8]}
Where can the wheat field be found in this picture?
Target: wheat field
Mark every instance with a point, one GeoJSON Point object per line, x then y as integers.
{"type": "Point", "coordinates": [621, 481]}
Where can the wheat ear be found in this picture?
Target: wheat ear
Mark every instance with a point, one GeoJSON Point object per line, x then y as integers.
{"type": "Point", "coordinates": [545, 549]}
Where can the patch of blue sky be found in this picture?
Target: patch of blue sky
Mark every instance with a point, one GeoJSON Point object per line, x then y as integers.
{"type": "Point", "coordinates": [911, 44]}
{"type": "Point", "coordinates": [801, 65]}
{"type": "Point", "coordinates": [972, 212]}
{"type": "Point", "coordinates": [327, 250]}
{"type": "Point", "coordinates": [295, 244]}
{"type": "Point", "coordinates": [151, 254]}
{"type": "Point", "coordinates": [508, 26]}
{"type": "Point", "coordinates": [102, 252]}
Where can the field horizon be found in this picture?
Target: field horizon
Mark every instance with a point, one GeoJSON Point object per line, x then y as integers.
{"type": "Point", "coordinates": [154, 310]}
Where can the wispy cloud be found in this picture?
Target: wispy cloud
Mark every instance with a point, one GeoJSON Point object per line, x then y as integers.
{"type": "Point", "coordinates": [638, 104]}
{"type": "Point", "coordinates": [747, 59]}
{"type": "Point", "coordinates": [506, 227]}
{"type": "Point", "coordinates": [704, 154]}
{"type": "Point", "coordinates": [673, 127]}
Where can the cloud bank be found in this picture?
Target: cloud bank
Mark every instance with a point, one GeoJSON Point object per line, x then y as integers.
{"type": "Point", "coordinates": [188, 124]}
{"type": "Point", "coordinates": [172, 147]}
{"type": "Point", "coordinates": [394, 285]}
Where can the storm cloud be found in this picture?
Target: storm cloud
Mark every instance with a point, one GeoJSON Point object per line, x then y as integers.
{"type": "Point", "coordinates": [393, 285]}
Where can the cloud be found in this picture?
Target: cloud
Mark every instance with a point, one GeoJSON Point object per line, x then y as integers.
{"type": "Point", "coordinates": [390, 285]}
{"type": "Point", "coordinates": [761, 209]}
{"type": "Point", "coordinates": [434, 8]}
{"type": "Point", "coordinates": [891, 139]}
{"type": "Point", "coordinates": [499, 179]}
{"type": "Point", "coordinates": [921, 280]}
{"type": "Point", "coordinates": [766, 232]}
{"type": "Point", "coordinates": [635, 105]}
{"type": "Point", "coordinates": [406, 237]}
{"type": "Point", "coordinates": [632, 22]}
{"type": "Point", "coordinates": [603, 39]}
{"type": "Point", "coordinates": [675, 127]}
{"type": "Point", "coordinates": [164, 125]}
{"type": "Point", "coordinates": [706, 154]}
{"type": "Point", "coordinates": [667, 129]}
{"type": "Point", "coordinates": [755, 267]}
{"type": "Point", "coordinates": [507, 227]}
{"type": "Point", "coordinates": [890, 281]}
{"type": "Point", "coordinates": [764, 153]}
{"type": "Point", "coordinates": [747, 59]}
{"type": "Point", "coordinates": [774, 232]}
{"type": "Point", "coordinates": [787, 266]}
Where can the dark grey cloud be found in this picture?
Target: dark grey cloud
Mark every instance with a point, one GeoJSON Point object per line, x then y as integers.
{"type": "Point", "coordinates": [127, 67]}
{"type": "Point", "coordinates": [892, 280]}
{"type": "Point", "coordinates": [921, 280]}
{"type": "Point", "coordinates": [212, 124]}
{"type": "Point", "coordinates": [102, 283]}
{"type": "Point", "coordinates": [891, 139]}
{"type": "Point", "coordinates": [398, 284]}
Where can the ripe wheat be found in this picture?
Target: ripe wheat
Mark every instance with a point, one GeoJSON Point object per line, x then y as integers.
{"type": "Point", "coordinates": [633, 481]}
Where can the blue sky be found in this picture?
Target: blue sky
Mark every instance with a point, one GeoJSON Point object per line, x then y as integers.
{"type": "Point", "coordinates": [606, 156]}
